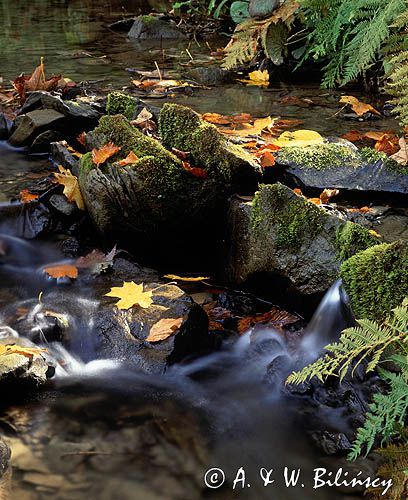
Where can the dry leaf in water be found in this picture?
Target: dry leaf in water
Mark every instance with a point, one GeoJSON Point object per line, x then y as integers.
{"type": "Point", "coordinates": [402, 155]}
{"type": "Point", "coordinates": [299, 138]}
{"type": "Point", "coordinates": [62, 271]}
{"type": "Point", "coordinates": [186, 278]}
{"type": "Point", "coordinates": [130, 159]}
{"type": "Point", "coordinates": [36, 81]}
{"type": "Point", "coordinates": [71, 186]}
{"type": "Point", "coordinates": [96, 260]}
{"type": "Point", "coordinates": [258, 78]}
{"type": "Point", "coordinates": [360, 108]}
{"type": "Point", "coordinates": [131, 294]}
{"type": "Point", "coordinates": [163, 329]}
{"type": "Point", "coordinates": [26, 196]}
{"type": "Point", "coordinates": [276, 317]}
{"type": "Point", "coordinates": [99, 156]}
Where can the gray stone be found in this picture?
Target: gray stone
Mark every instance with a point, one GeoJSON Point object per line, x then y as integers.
{"type": "Point", "coordinates": [152, 28]}
{"type": "Point", "coordinates": [341, 166]}
{"type": "Point", "coordinates": [62, 205]}
{"type": "Point", "coordinates": [41, 143]}
{"type": "Point", "coordinates": [211, 75]}
{"type": "Point", "coordinates": [4, 128]}
{"type": "Point", "coordinates": [32, 124]}
{"type": "Point", "coordinates": [287, 237]}
{"type": "Point", "coordinates": [262, 8]}
{"type": "Point", "coordinates": [61, 156]}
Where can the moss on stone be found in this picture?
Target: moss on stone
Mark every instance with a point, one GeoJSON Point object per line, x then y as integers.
{"type": "Point", "coordinates": [376, 279]}
{"type": "Point", "coordinates": [370, 155]}
{"type": "Point", "coordinates": [352, 238]}
{"type": "Point", "coordinates": [294, 216]}
{"type": "Point", "coordinates": [321, 156]}
{"type": "Point", "coordinates": [177, 125]}
{"type": "Point", "coordinates": [119, 103]}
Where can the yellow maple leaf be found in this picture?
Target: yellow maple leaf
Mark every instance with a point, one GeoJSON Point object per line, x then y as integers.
{"type": "Point", "coordinates": [163, 329]}
{"type": "Point", "coordinates": [29, 352]}
{"type": "Point", "coordinates": [185, 278]}
{"type": "Point", "coordinates": [71, 186]}
{"type": "Point", "coordinates": [258, 78]}
{"type": "Point", "coordinates": [299, 138]}
{"type": "Point", "coordinates": [131, 294]}
{"type": "Point", "coordinates": [360, 108]}
{"type": "Point", "coordinates": [260, 125]}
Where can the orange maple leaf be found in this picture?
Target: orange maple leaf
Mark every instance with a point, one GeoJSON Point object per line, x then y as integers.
{"type": "Point", "coordinates": [62, 271]}
{"type": "Point", "coordinates": [360, 108]}
{"type": "Point", "coordinates": [26, 196]}
{"type": "Point", "coordinates": [130, 159]}
{"type": "Point", "coordinates": [102, 154]}
{"type": "Point", "coordinates": [196, 171]}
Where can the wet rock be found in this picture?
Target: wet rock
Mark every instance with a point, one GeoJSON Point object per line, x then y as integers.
{"type": "Point", "coordinates": [376, 279]}
{"type": "Point", "coordinates": [122, 334]}
{"type": "Point", "coordinates": [152, 28]}
{"type": "Point", "coordinates": [392, 224]}
{"type": "Point", "coordinates": [19, 370]}
{"type": "Point", "coordinates": [156, 199]}
{"type": "Point", "coordinates": [211, 75]}
{"type": "Point", "coordinates": [262, 8]}
{"type": "Point", "coordinates": [4, 127]}
{"type": "Point", "coordinates": [331, 443]}
{"type": "Point", "coordinates": [341, 165]}
{"type": "Point", "coordinates": [287, 237]}
{"type": "Point", "coordinates": [36, 219]}
{"type": "Point", "coordinates": [60, 155]}
{"type": "Point", "coordinates": [32, 124]}
{"type": "Point", "coordinates": [60, 203]}
{"type": "Point", "coordinates": [42, 142]}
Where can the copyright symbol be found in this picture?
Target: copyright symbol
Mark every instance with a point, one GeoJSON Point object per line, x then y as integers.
{"type": "Point", "coordinates": [214, 478]}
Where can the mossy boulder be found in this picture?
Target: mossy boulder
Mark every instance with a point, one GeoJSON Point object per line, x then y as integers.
{"type": "Point", "coordinates": [183, 129]}
{"type": "Point", "coordinates": [154, 199]}
{"type": "Point", "coordinates": [376, 280]}
{"type": "Point", "coordinates": [284, 235]}
{"type": "Point", "coordinates": [340, 164]}
{"type": "Point", "coordinates": [119, 103]}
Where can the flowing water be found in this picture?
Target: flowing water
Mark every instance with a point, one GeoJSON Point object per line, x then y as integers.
{"type": "Point", "coordinates": [105, 431]}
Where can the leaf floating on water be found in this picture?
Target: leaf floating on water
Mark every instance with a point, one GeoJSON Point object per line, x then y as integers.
{"type": "Point", "coordinates": [131, 294]}
{"type": "Point", "coordinates": [163, 329]}
{"type": "Point", "coordinates": [62, 271]}
{"type": "Point", "coordinates": [28, 352]}
{"type": "Point", "coordinates": [360, 108]}
{"type": "Point", "coordinates": [276, 317]}
{"type": "Point", "coordinates": [71, 186]}
{"type": "Point", "coordinates": [258, 78]}
{"type": "Point", "coordinates": [299, 138]}
{"type": "Point", "coordinates": [27, 197]}
{"type": "Point", "coordinates": [201, 173]}
{"type": "Point", "coordinates": [186, 278]}
{"type": "Point", "coordinates": [130, 159]}
{"type": "Point", "coordinates": [402, 155]}
{"type": "Point", "coordinates": [99, 156]}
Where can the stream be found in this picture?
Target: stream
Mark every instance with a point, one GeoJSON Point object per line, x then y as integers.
{"type": "Point", "coordinates": [103, 429]}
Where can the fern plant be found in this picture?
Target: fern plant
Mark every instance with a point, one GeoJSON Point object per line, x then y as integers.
{"type": "Point", "coordinates": [370, 341]}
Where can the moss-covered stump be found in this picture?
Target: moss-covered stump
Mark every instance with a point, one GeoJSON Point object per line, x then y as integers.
{"type": "Point", "coordinates": [183, 129]}
{"type": "Point", "coordinates": [376, 280]}
{"type": "Point", "coordinates": [286, 236]}
{"type": "Point", "coordinates": [341, 165]}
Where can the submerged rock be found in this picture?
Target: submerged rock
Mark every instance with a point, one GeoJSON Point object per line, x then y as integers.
{"type": "Point", "coordinates": [157, 199]}
{"type": "Point", "coordinates": [376, 280]}
{"type": "Point", "coordinates": [341, 165]}
{"type": "Point", "coordinates": [262, 8]}
{"type": "Point", "coordinates": [284, 235]}
{"type": "Point", "coordinates": [153, 28]}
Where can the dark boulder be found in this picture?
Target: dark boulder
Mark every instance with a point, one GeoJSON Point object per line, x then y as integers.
{"type": "Point", "coordinates": [152, 28]}
{"type": "Point", "coordinates": [262, 8]}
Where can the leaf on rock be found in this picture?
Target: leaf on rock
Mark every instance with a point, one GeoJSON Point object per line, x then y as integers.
{"type": "Point", "coordinates": [327, 194]}
{"type": "Point", "coordinates": [26, 196]}
{"type": "Point", "coordinates": [96, 261]}
{"type": "Point", "coordinates": [402, 155]}
{"type": "Point", "coordinates": [131, 294]}
{"type": "Point", "coordinates": [299, 138]}
{"type": "Point", "coordinates": [81, 138]}
{"type": "Point", "coordinates": [201, 173]}
{"type": "Point", "coordinates": [163, 329]}
{"type": "Point", "coordinates": [186, 278]}
{"type": "Point", "coordinates": [62, 271]}
{"type": "Point", "coordinates": [28, 352]}
{"type": "Point", "coordinates": [71, 186]}
{"type": "Point", "coordinates": [99, 156]}
{"type": "Point", "coordinates": [266, 158]}
{"type": "Point", "coordinates": [360, 108]}
{"type": "Point", "coordinates": [258, 78]}
{"type": "Point", "coordinates": [130, 159]}
{"type": "Point", "coordinates": [142, 117]}
{"type": "Point", "coordinates": [353, 136]}
{"type": "Point", "coordinates": [388, 144]}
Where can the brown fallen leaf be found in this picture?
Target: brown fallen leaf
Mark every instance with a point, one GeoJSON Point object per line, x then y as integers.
{"type": "Point", "coordinates": [216, 119]}
{"type": "Point", "coordinates": [201, 173]}
{"type": "Point", "coordinates": [266, 158]}
{"type": "Point", "coordinates": [353, 136]}
{"type": "Point", "coordinates": [99, 156]}
{"type": "Point", "coordinates": [182, 155]}
{"type": "Point", "coordinates": [401, 156]}
{"type": "Point", "coordinates": [276, 317]}
{"type": "Point", "coordinates": [62, 271]}
{"type": "Point", "coordinates": [142, 117]}
{"type": "Point", "coordinates": [388, 144]}
{"type": "Point", "coordinates": [360, 108]}
{"type": "Point", "coordinates": [81, 138]}
{"type": "Point", "coordinates": [71, 186]}
{"type": "Point", "coordinates": [26, 196]}
{"type": "Point", "coordinates": [292, 100]}
{"type": "Point", "coordinates": [131, 294]}
{"type": "Point", "coordinates": [327, 194]}
{"type": "Point", "coordinates": [130, 159]}
{"type": "Point", "coordinates": [96, 261]}
{"type": "Point", "coordinates": [36, 81]}
{"type": "Point", "coordinates": [163, 329]}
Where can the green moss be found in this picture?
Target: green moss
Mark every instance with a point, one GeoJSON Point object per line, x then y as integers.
{"type": "Point", "coordinates": [294, 216]}
{"type": "Point", "coordinates": [370, 155]}
{"type": "Point", "coordinates": [352, 238]}
{"type": "Point", "coordinates": [320, 156]}
{"type": "Point", "coordinates": [177, 125]}
{"type": "Point", "coordinates": [119, 103]}
{"type": "Point", "coordinates": [376, 279]}
{"type": "Point", "coordinates": [148, 19]}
